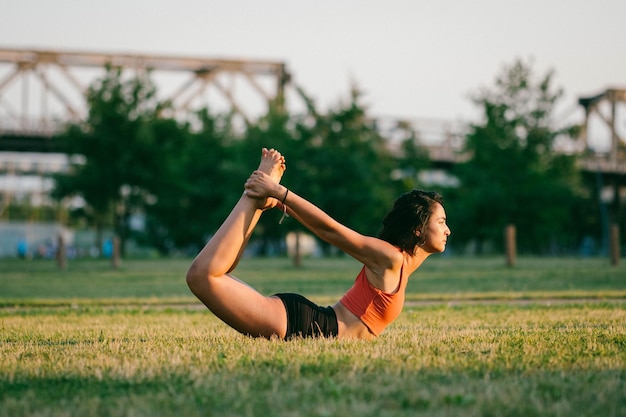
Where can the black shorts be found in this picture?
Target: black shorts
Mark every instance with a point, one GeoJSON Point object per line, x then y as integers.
{"type": "Point", "coordinates": [307, 319]}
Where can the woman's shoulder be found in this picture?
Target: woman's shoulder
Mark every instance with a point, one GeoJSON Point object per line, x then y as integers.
{"type": "Point", "coordinates": [386, 274]}
{"type": "Point", "coordinates": [396, 257]}
{"type": "Point", "coordinates": [385, 256]}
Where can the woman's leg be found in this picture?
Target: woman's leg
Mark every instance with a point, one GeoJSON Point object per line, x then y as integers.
{"type": "Point", "coordinates": [209, 278]}
{"type": "Point", "coordinates": [273, 163]}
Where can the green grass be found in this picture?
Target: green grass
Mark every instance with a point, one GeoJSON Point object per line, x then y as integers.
{"type": "Point", "coordinates": [132, 342]}
{"type": "Point", "coordinates": [439, 278]}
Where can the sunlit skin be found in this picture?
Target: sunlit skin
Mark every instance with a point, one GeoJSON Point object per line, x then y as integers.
{"type": "Point", "coordinates": [437, 231]}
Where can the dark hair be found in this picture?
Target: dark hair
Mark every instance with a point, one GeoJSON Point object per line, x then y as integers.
{"type": "Point", "coordinates": [405, 224]}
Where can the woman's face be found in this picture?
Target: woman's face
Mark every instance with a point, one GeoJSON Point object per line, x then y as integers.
{"type": "Point", "coordinates": [437, 230]}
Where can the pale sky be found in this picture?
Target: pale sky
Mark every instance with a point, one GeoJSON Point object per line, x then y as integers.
{"type": "Point", "coordinates": [412, 58]}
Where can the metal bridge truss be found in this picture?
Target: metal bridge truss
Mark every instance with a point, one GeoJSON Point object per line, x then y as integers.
{"type": "Point", "coordinates": [602, 113]}
{"type": "Point", "coordinates": [41, 89]}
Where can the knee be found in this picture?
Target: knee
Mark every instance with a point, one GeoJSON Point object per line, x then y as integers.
{"type": "Point", "coordinates": [195, 278]}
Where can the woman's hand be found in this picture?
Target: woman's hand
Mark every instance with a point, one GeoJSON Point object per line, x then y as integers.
{"type": "Point", "coordinates": [260, 185]}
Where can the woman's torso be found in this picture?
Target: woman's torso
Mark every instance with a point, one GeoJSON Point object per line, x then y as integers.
{"type": "Point", "coordinates": [349, 325]}
{"type": "Point", "coordinates": [365, 310]}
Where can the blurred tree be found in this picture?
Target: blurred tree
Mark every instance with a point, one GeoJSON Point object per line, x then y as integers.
{"type": "Point", "coordinates": [411, 158]}
{"type": "Point", "coordinates": [344, 165]}
{"type": "Point", "coordinates": [120, 154]}
{"type": "Point", "coordinates": [196, 188]}
{"type": "Point", "coordinates": [514, 175]}
{"type": "Point", "coordinates": [184, 177]}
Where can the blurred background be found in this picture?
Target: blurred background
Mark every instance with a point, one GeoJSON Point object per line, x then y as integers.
{"type": "Point", "coordinates": [131, 126]}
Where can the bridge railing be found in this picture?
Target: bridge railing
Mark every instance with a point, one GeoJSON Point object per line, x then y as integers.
{"type": "Point", "coordinates": [29, 126]}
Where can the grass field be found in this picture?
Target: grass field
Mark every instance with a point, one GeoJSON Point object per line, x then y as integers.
{"type": "Point", "coordinates": [546, 338]}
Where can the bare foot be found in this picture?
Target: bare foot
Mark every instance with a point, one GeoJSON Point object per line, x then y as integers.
{"type": "Point", "coordinates": [273, 164]}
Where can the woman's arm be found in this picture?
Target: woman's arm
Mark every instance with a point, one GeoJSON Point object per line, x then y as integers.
{"type": "Point", "coordinates": [376, 254]}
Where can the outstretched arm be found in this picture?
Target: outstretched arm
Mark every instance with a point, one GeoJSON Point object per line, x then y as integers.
{"type": "Point", "coordinates": [372, 252]}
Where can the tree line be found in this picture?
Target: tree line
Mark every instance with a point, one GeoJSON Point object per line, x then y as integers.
{"type": "Point", "coordinates": [183, 177]}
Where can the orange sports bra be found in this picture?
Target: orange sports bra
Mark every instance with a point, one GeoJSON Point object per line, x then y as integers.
{"type": "Point", "coordinates": [374, 307]}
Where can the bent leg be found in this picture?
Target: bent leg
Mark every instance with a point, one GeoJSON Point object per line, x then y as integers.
{"type": "Point", "coordinates": [236, 303]}
{"type": "Point", "coordinates": [242, 307]}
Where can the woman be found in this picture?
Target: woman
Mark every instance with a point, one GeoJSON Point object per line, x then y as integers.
{"type": "Point", "coordinates": [414, 229]}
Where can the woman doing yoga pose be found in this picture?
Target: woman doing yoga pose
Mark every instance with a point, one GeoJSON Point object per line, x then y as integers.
{"type": "Point", "coordinates": [414, 229]}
